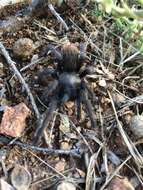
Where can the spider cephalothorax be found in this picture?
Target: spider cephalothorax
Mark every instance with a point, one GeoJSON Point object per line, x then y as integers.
{"type": "Point", "coordinates": [69, 83]}
{"type": "Point", "coordinates": [71, 61]}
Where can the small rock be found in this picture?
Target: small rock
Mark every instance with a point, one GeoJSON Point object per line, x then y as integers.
{"type": "Point", "coordinates": [118, 98]}
{"type": "Point", "coordinates": [65, 146]}
{"type": "Point", "coordinates": [136, 125]}
{"type": "Point", "coordinates": [5, 186]}
{"type": "Point", "coordinates": [23, 48]}
{"type": "Point", "coordinates": [102, 83]}
{"type": "Point", "coordinates": [65, 185]}
{"type": "Point", "coordinates": [13, 121]}
{"type": "Point", "coordinates": [120, 184]}
{"type": "Point", "coordinates": [34, 58]}
{"type": "Point", "coordinates": [21, 178]}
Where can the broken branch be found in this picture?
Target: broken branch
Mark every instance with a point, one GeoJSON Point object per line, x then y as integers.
{"type": "Point", "coordinates": [12, 64]}
{"type": "Point", "coordinates": [73, 152]}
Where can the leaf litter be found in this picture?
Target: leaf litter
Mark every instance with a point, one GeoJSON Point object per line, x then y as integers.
{"type": "Point", "coordinates": [77, 157]}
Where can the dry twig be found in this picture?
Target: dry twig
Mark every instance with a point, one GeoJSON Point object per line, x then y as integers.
{"type": "Point", "coordinates": [59, 18]}
{"type": "Point", "coordinates": [49, 151]}
{"type": "Point", "coordinates": [12, 64]}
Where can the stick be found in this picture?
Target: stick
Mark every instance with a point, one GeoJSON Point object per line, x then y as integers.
{"type": "Point", "coordinates": [59, 18]}
{"type": "Point", "coordinates": [73, 152]}
{"type": "Point", "coordinates": [12, 64]}
{"type": "Point", "coordinates": [133, 101]}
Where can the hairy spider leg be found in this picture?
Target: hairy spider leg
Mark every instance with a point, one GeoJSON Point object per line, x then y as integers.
{"type": "Point", "coordinates": [90, 70]}
{"type": "Point", "coordinates": [53, 105]}
{"type": "Point", "coordinates": [57, 54]}
{"type": "Point", "coordinates": [48, 116]}
{"type": "Point", "coordinates": [91, 93]}
{"type": "Point", "coordinates": [42, 75]}
{"type": "Point", "coordinates": [78, 105]}
{"type": "Point", "coordinates": [49, 91]}
{"type": "Point", "coordinates": [88, 106]}
{"type": "Point", "coordinates": [82, 48]}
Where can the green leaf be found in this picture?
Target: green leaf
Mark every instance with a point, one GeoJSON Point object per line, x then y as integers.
{"type": "Point", "coordinates": [107, 5]}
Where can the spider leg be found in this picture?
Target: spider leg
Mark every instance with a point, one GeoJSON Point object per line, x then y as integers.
{"type": "Point", "coordinates": [49, 91]}
{"type": "Point", "coordinates": [82, 48]}
{"type": "Point", "coordinates": [57, 54]}
{"type": "Point", "coordinates": [43, 76]}
{"type": "Point", "coordinates": [48, 116]}
{"type": "Point", "coordinates": [90, 92]}
{"type": "Point", "coordinates": [88, 106]}
{"type": "Point", "coordinates": [78, 103]}
{"type": "Point", "coordinates": [90, 70]}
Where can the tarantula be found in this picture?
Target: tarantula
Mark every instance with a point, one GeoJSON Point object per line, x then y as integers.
{"type": "Point", "coordinates": [69, 83]}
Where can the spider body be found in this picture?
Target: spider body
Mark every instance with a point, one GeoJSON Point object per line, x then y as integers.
{"type": "Point", "coordinates": [69, 83]}
{"type": "Point", "coordinates": [70, 61]}
{"type": "Point", "coordinates": [69, 87]}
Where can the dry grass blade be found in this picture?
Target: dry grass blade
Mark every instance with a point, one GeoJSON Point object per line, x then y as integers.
{"type": "Point", "coordinates": [40, 25]}
{"type": "Point", "coordinates": [133, 101]}
{"type": "Point", "coordinates": [129, 58]}
{"type": "Point", "coordinates": [82, 137]}
{"type": "Point", "coordinates": [132, 149]}
{"type": "Point", "coordinates": [59, 18]}
{"type": "Point", "coordinates": [91, 176]}
{"type": "Point", "coordinates": [139, 65]}
{"type": "Point", "coordinates": [46, 164]}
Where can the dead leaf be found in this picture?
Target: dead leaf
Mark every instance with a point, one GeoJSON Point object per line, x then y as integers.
{"type": "Point", "coordinates": [60, 166]}
{"type": "Point", "coordinates": [136, 125]}
{"type": "Point", "coordinates": [102, 83]}
{"type": "Point", "coordinates": [120, 184]}
{"type": "Point", "coordinates": [21, 178]}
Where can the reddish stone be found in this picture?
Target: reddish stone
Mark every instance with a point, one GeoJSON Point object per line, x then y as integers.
{"type": "Point", "coordinates": [13, 121]}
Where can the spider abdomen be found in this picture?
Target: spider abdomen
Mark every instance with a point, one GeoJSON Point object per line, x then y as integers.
{"type": "Point", "coordinates": [69, 86]}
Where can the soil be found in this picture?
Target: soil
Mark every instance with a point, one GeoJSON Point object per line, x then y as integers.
{"type": "Point", "coordinates": [103, 150]}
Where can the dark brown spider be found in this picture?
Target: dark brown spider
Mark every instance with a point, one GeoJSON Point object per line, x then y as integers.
{"type": "Point", "coordinates": [69, 83]}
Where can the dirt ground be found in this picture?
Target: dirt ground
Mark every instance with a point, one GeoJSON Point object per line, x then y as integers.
{"type": "Point", "coordinates": [109, 156]}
